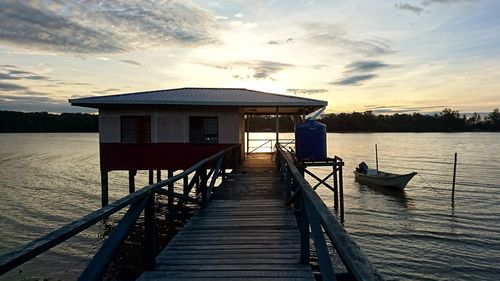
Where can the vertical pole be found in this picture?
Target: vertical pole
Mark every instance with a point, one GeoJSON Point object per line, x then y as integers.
{"type": "Point", "coordinates": [248, 133]}
{"type": "Point", "coordinates": [170, 188]}
{"type": "Point", "coordinates": [158, 175]}
{"type": "Point", "coordinates": [104, 188]}
{"type": "Point", "coordinates": [454, 176]}
{"type": "Point", "coordinates": [335, 187]}
{"type": "Point", "coordinates": [151, 178]}
{"type": "Point", "coordinates": [203, 183]}
{"type": "Point", "coordinates": [185, 184]}
{"type": "Point", "coordinates": [303, 115]}
{"type": "Point", "coordinates": [376, 156]}
{"type": "Point", "coordinates": [131, 180]}
{"type": "Point", "coordinates": [149, 233]}
{"type": "Point", "coordinates": [304, 232]}
{"type": "Point", "coordinates": [277, 126]}
{"type": "Point", "coordinates": [341, 192]}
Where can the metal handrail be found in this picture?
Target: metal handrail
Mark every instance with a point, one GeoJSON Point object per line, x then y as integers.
{"type": "Point", "coordinates": [284, 142]}
{"type": "Point", "coordinates": [314, 214]}
{"type": "Point", "coordinates": [142, 199]}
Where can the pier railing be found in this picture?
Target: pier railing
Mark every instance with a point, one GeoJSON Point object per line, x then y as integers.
{"type": "Point", "coordinates": [267, 145]}
{"type": "Point", "coordinates": [203, 174]}
{"type": "Point", "coordinates": [316, 220]}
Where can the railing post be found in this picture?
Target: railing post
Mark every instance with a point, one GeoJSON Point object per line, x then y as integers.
{"type": "Point", "coordinates": [304, 232]}
{"type": "Point", "coordinates": [185, 185]}
{"type": "Point", "coordinates": [223, 168]}
{"type": "Point", "coordinates": [131, 180]}
{"type": "Point", "coordinates": [151, 177]}
{"type": "Point", "coordinates": [170, 199]}
{"type": "Point", "coordinates": [149, 234]}
{"type": "Point", "coordinates": [104, 188]}
{"type": "Point", "coordinates": [202, 172]}
{"type": "Point", "coordinates": [324, 261]}
{"type": "Point", "coordinates": [341, 191]}
{"type": "Point", "coordinates": [335, 187]}
{"type": "Point", "coordinates": [158, 175]}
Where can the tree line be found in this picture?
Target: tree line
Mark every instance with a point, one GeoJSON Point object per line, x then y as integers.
{"type": "Point", "coordinates": [38, 122]}
{"type": "Point", "coordinates": [447, 120]}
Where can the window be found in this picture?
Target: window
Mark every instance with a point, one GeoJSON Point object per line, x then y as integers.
{"type": "Point", "coordinates": [203, 130]}
{"type": "Point", "coordinates": [136, 129]}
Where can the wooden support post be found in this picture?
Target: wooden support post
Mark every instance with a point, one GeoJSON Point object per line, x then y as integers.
{"type": "Point", "coordinates": [151, 176]}
{"type": "Point", "coordinates": [324, 261]}
{"type": "Point", "coordinates": [158, 175]}
{"type": "Point", "coordinates": [277, 125]}
{"type": "Point", "coordinates": [223, 170]}
{"type": "Point", "coordinates": [185, 185]}
{"type": "Point", "coordinates": [170, 188]}
{"type": "Point", "coordinates": [335, 187]}
{"type": "Point", "coordinates": [149, 234]}
{"type": "Point", "coordinates": [248, 133]}
{"type": "Point", "coordinates": [341, 192]}
{"type": "Point", "coordinates": [304, 232]}
{"type": "Point", "coordinates": [104, 188]}
{"type": "Point", "coordinates": [131, 180]}
{"type": "Point", "coordinates": [203, 183]}
{"type": "Point", "coordinates": [454, 176]}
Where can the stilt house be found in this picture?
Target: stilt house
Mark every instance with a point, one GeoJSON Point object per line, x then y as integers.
{"type": "Point", "coordinates": [175, 128]}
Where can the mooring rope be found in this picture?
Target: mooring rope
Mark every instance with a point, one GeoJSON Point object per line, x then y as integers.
{"type": "Point", "coordinates": [420, 174]}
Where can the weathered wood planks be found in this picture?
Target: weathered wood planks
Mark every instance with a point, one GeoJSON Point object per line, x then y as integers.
{"type": "Point", "coordinates": [245, 233]}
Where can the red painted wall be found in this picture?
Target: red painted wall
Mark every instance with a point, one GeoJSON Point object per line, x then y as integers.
{"type": "Point", "coordinates": [155, 156]}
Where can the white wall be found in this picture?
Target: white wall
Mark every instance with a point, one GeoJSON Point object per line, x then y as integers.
{"type": "Point", "coordinates": [171, 125]}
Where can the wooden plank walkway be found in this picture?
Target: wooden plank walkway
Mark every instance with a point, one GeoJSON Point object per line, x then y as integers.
{"type": "Point", "coordinates": [245, 233]}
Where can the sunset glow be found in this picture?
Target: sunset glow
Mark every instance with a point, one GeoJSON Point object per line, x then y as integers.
{"type": "Point", "coordinates": [385, 56]}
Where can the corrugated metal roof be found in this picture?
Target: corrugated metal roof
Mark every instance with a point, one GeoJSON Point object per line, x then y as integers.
{"type": "Point", "coordinates": [200, 96]}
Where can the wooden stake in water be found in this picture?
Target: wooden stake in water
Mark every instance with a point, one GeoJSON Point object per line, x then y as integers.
{"type": "Point", "coordinates": [376, 156]}
{"type": "Point", "coordinates": [454, 176]}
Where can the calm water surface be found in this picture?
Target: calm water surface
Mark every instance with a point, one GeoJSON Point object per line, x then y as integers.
{"type": "Point", "coordinates": [48, 180]}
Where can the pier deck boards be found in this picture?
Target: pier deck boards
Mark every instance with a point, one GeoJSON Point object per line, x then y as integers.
{"type": "Point", "coordinates": [245, 233]}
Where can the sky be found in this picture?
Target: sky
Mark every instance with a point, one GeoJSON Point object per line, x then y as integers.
{"type": "Point", "coordinates": [380, 55]}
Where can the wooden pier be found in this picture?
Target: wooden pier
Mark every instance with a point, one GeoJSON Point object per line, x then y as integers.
{"type": "Point", "coordinates": [245, 233]}
{"type": "Point", "coordinates": [246, 229]}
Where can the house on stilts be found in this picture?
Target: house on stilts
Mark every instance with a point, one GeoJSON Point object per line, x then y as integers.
{"type": "Point", "coordinates": [175, 128]}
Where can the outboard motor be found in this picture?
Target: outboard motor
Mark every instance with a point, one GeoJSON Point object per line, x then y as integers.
{"type": "Point", "coordinates": [362, 168]}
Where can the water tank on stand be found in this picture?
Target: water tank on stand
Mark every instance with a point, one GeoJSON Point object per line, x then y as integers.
{"type": "Point", "coordinates": [310, 141]}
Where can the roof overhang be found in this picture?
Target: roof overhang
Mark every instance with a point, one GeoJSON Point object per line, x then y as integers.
{"type": "Point", "coordinates": [247, 101]}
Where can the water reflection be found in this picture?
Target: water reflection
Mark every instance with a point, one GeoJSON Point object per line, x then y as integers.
{"type": "Point", "coordinates": [128, 262]}
{"type": "Point", "coordinates": [394, 195]}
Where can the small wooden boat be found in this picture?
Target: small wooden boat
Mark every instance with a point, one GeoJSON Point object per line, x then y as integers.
{"type": "Point", "coordinates": [384, 179]}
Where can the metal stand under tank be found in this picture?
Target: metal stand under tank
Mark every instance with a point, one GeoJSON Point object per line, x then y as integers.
{"type": "Point", "coordinates": [338, 180]}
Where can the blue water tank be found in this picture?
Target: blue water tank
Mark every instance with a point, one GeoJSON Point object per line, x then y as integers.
{"type": "Point", "coordinates": [310, 141]}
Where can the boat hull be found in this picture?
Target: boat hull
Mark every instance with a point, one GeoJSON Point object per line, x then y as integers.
{"type": "Point", "coordinates": [385, 179]}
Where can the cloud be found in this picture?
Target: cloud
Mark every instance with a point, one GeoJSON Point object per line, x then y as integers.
{"type": "Point", "coordinates": [11, 87]}
{"type": "Point", "coordinates": [429, 2]}
{"type": "Point", "coordinates": [365, 66]}
{"type": "Point", "coordinates": [359, 71]}
{"type": "Point", "coordinates": [114, 90]}
{"type": "Point", "coordinates": [408, 7]}
{"type": "Point", "coordinates": [133, 62]}
{"type": "Point", "coordinates": [306, 91]}
{"type": "Point", "coordinates": [280, 42]}
{"type": "Point", "coordinates": [354, 80]}
{"type": "Point", "coordinates": [264, 69]}
{"type": "Point", "coordinates": [10, 72]}
{"type": "Point", "coordinates": [333, 36]}
{"type": "Point", "coordinates": [261, 69]}
{"type": "Point", "coordinates": [104, 27]}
